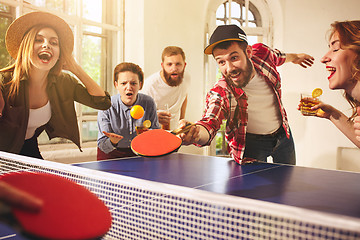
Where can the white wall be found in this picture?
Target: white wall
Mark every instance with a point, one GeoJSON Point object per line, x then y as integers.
{"type": "Point", "coordinates": [134, 32]}
{"type": "Point", "coordinates": [167, 23]}
{"type": "Point", "coordinates": [299, 26]}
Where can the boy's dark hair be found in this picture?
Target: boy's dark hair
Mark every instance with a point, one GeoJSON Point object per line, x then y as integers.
{"type": "Point", "coordinates": [129, 67]}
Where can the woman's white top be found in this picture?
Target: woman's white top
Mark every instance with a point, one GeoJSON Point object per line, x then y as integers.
{"type": "Point", "coordinates": [37, 118]}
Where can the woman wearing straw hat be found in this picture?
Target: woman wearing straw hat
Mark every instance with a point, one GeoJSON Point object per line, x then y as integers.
{"type": "Point", "coordinates": [36, 94]}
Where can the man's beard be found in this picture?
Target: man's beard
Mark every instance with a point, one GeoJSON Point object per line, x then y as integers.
{"type": "Point", "coordinates": [173, 82]}
{"type": "Point", "coordinates": [246, 74]}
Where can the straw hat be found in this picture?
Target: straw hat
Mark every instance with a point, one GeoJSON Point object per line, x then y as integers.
{"type": "Point", "coordinates": [21, 25]}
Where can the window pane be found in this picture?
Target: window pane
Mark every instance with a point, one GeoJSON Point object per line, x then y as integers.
{"type": "Point", "coordinates": [243, 9]}
{"type": "Point", "coordinates": [220, 22]}
{"type": "Point", "coordinates": [251, 16]}
{"type": "Point", "coordinates": [91, 56]}
{"type": "Point", "coordinates": [4, 8]}
{"type": "Point", "coordinates": [251, 24]}
{"type": "Point", "coordinates": [89, 131]}
{"type": "Point", "coordinates": [235, 10]}
{"type": "Point", "coordinates": [252, 39]}
{"type": "Point", "coordinates": [40, 3]}
{"type": "Point", "coordinates": [220, 12]}
{"type": "Point", "coordinates": [92, 10]}
{"type": "Point", "coordinates": [221, 144]}
{"type": "Point", "coordinates": [226, 15]}
{"type": "Point", "coordinates": [4, 55]}
{"type": "Point", "coordinates": [58, 5]}
{"type": "Point", "coordinates": [65, 6]}
{"type": "Point", "coordinates": [234, 21]}
{"type": "Point", "coordinates": [92, 61]}
{"type": "Point", "coordinates": [238, 14]}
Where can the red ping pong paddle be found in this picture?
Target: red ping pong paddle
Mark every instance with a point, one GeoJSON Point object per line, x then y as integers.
{"type": "Point", "coordinates": [158, 142]}
{"type": "Point", "coordinates": [70, 211]}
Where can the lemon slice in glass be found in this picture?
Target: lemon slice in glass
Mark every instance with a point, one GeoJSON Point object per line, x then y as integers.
{"type": "Point", "coordinates": [316, 92]}
{"type": "Point", "coordinates": [147, 123]}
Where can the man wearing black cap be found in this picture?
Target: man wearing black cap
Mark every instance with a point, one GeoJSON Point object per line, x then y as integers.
{"type": "Point", "coordinates": [248, 96]}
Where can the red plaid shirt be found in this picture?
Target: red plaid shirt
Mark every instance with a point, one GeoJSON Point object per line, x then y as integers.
{"type": "Point", "coordinates": [227, 102]}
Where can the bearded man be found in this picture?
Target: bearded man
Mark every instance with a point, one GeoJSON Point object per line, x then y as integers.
{"type": "Point", "coordinates": [169, 87]}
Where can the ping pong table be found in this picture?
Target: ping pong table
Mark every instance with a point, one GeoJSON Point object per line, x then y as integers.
{"type": "Point", "coordinates": [313, 199]}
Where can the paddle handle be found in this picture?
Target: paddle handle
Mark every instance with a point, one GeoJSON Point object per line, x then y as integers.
{"type": "Point", "coordinates": [183, 130]}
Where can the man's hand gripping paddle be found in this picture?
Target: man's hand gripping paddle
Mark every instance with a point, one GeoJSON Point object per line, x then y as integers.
{"type": "Point", "coordinates": [69, 211]}
{"type": "Point", "coordinates": [158, 142]}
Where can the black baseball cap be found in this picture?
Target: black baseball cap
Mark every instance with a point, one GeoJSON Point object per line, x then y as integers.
{"type": "Point", "coordinates": [225, 33]}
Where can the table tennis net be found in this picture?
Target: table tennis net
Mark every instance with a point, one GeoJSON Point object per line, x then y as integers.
{"type": "Point", "coordinates": [148, 210]}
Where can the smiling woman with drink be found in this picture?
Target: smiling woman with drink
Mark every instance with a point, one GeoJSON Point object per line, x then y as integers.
{"type": "Point", "coordinates": [343, 62]}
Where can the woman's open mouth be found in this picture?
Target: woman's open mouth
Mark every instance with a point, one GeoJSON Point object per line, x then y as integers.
{"type": "Point", "coordinates": [45, 56]}
{"type": "Point", "coordinates": [332, 71]}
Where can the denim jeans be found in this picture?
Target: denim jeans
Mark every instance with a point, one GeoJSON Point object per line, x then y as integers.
{"type": "Point", "coordinates": [279, 147]}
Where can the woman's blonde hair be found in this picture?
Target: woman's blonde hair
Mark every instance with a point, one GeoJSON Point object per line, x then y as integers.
{"type": "Point", "coordinates": [349, 36]}
{"type": "Point", "coordinates": [22, 64]}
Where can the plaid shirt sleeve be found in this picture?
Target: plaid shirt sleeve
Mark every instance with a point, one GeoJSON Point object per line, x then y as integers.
{"type": "Point", "coordinates": [222, 104]}
{"type": "Point", "coordinates": [264, 54]}
{"type": "Point", "coordinates": [215, 112]}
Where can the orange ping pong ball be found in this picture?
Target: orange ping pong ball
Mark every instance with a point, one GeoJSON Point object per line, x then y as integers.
{"type": "Point", "coordinates": [137, 111]}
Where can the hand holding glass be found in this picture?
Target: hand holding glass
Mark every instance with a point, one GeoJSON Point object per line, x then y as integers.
{"type": "Point", "coordinates": [307, 101]}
